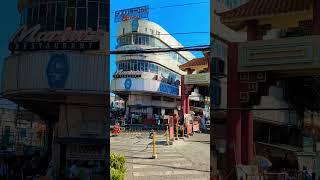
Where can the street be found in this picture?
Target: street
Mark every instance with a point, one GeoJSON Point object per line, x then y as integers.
{"type": "Point", "coordinates": [186, 159]}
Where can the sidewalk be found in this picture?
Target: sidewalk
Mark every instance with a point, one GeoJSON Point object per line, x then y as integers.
{"type": "Point", "coordinates": [188, 160]}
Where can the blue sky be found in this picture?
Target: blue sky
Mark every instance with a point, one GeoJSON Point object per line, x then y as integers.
{"type": "Point", "coordinates": [10, 20]}
{"type": "Point", "coordinates": [191, 18]}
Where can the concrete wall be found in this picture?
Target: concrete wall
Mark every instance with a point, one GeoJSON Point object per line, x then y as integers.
{"type": "Point", "coordinates": [28, 71]}
{"type": "Point", "coordinates": [151, 26]}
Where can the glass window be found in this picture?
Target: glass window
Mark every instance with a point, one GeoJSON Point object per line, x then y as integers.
{"type": "Point", "coordinates": [51, 16]}
{"type": "Point", "coordinates": [60, 16]}
{"type": "Point", "coordinates": [24, 16]}
{"type": "Point", "coordinates": [81, 18]}
{"type": "Point", "coordinates": [135, 66]}
{"type": "Point", "coordinates": [139, 65]}
{"type": "Point", "coordinates": [81, 3]}
{"type": "Point", "coordinates": [130, 66]}
{"type": "Point", "coordinates": [156, 68]}
{"type": "Point", "coordinates": [70, 17]}
{"type": "Point", "coordinates": [135, 39]}
{"type": "Point", "coordinates": [125, 67]}
{"type": "Point", "coordinates": [139, 40]}
{"type": "Point", "coordinates": [93, 15]}
{"type": "Point", "coordinates": [72, 3]}
{"type": "Point", "coordinates": [29, 15]}
{"type": "Point", "coordinates": [152, 41]}
{"type": "Point", "coordinates": [35, 15]}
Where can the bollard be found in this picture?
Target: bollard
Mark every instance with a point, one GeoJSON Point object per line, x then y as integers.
{"type": "Point", "coordinates": [167, 132]}
{"type": "Point", "coordinates": [177, 132]}
{"type": "Point", "coordinates": [182, 133]}
{"type": "Point", "coordinates": [154, 154]}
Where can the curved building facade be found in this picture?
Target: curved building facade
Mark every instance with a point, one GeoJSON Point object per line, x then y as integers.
{"type": "Point", "coordinates": [58, 70]}
{"type": "Point", "coordinates": [150, 83]}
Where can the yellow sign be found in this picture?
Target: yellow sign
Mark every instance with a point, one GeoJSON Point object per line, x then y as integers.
{"type": "Point", "coordinates": [203, 78]}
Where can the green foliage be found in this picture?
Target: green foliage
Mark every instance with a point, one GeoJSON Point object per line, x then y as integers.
{"type": "Point", "coordinates": [117, 166]}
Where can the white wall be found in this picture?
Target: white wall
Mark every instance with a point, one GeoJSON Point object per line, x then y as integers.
{"type": "Point", "coordinates": [138, 85]}
{"type": "Point", "coordinates": [168, 39]}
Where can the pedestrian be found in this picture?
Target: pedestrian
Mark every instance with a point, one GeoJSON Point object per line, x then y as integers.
{"type": "Point", "coordinates": [158, 119]}
{"type": "Point", "coordinates": [203, 122]}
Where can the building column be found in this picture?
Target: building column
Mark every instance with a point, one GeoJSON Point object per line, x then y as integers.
{"type": "Point", "coordinates": [187, 108]}
{"type": "Point", "coordinates": [316, 17]}
{"type": "Point", "coordinates": [247, 137]}
{"type": "Point", "coordinates": [183, 96]}
{"type": "Point", "coordinates": [187, 104]}
{"type": "Point", "coordinates": [233, 149]}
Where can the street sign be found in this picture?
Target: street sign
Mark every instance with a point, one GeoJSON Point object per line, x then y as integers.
{"type": "Point", "coordinates": [132, 13]}
{"type": "Point", "coordinates": [202, 78]}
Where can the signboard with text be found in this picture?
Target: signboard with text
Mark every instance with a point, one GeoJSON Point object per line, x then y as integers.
{"type": "Point", "coordinates": [31, 39]}
{"type": "Point", "coordinates": [131, 14]}
{"type": "Point", "coordinates": [203, 78]}
{"type": "Point", "coordinates": [169, 89]}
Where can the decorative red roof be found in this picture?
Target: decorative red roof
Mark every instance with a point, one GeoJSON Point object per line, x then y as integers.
{"type": "Point", "coordinates": [256, 8]}
{"type": "Point", "coordinates": [194, 63]}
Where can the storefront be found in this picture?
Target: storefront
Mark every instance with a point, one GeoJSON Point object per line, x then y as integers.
{"type": "Point", "coordinates": [59, 70]}
{"type": "Point", "coordinates": [87, 154]}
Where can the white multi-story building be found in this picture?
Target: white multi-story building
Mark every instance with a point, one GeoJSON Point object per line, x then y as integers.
{"type": "Point", "coordinates": [150, 83]}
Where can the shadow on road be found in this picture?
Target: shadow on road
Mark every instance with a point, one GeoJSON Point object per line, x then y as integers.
{"type": "Point", "coordinates": [174, 167]}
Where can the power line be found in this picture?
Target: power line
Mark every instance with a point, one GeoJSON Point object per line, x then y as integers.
{"type": "Point", "coordinates": [159, 50]}
{"type": "Point", "coordinates": [180, 5]}
{"type": "Point", "coordinates": [176, 5]}
{"type": "Point", "coordinates": [179, 33]}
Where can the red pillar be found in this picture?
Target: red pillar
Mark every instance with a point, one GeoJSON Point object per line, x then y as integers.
{"type": "Point", "coordinates": [187, 102]}
{"type": "Point", "coordinates": [247, 118]}
{"type": "Point", "coordinates": [316, 17]}
{"type": "Point", "coordinates": [183, 96]}
{"type": "Point", "coordinates": [233, 149]}
{"type": "Point", "coordinates": [244, 137]}
{"type": "Point", "coordinates": [247, 137]}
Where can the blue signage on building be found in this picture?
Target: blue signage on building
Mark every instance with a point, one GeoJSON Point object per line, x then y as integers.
{"type": "Point", "coordinates": [168, 89]}
{"type": "Point", "coordinates": [128, 84]}
{"type": "Point", "coordinates": [57, 71]}
{"type": "Point", "coordinates": [135, 25]}
{"type": "Point", "coordinates": [132, 13]}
